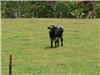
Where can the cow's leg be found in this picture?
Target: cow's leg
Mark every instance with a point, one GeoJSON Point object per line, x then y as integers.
{"type": "Point", "coordinates": [51, 43]}
{"type": "Point", "coordinates": [61, 41]}
{"type": "Point", "coordinates": [57, 43]}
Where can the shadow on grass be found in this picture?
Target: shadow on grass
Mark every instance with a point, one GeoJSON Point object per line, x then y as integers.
{"type": "Point", "coordinates": [49, 47]}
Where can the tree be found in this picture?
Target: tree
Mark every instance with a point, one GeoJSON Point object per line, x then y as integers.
{"type": "Point", "coordinates": [87, 8]}
{"type": "Point", "coordinates": [50, 9]}
{"type": "Point", "coordinates": [98, 9]}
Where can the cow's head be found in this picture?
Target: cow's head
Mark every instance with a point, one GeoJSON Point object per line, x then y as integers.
{"type": "Point", "coordinates": [51, 28]}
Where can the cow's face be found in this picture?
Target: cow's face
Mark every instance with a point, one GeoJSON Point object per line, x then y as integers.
{"type": "Point", "coordinates": [51, 28]}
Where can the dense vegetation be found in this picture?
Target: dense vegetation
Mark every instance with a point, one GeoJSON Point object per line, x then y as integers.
{"type": "Point", "coordinates": [48, 9]}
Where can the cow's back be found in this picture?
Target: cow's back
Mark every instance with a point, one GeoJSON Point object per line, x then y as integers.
{"type": "Point", "coordinates": [59, 31]}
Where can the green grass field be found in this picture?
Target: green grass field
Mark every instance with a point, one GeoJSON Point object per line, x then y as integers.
{"type": "Point", "coordinates": [28, 42]}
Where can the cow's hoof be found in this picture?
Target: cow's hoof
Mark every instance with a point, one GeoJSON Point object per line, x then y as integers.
{"type": "Point", "coordinates": [51, 46]}
{"type": "Point", "coordinates": [62, 45]}
{"type": "Point", "coordinates": [56, 46]}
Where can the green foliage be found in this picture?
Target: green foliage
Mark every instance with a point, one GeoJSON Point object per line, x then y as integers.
{"type": "Point", "coordinates": [44, 9]}
{"type": "Point", "coordinates": [98, 10]}
{"type": "Point", "coordinates": [77, 13]}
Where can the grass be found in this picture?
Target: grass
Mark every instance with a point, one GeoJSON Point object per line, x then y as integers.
{"type": "Point", "coordinates": [28, 42]}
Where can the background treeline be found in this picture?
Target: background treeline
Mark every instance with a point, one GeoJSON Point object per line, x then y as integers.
{"type": "Point", "coordinates": [50, 9]}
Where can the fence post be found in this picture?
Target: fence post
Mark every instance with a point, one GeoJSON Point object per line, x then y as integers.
{"type": "Point", "coordinates": [10, 64]}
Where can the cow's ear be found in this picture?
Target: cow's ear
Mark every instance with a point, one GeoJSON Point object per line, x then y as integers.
{"type": "Point", "coordinates": [48, 27]}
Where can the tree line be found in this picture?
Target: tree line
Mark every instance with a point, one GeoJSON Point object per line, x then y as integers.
{"type": "Point", "coordinates": [50, 9]}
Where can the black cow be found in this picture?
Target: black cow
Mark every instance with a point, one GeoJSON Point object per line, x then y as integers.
{"type": "Point", "coordinates": [56, 35]}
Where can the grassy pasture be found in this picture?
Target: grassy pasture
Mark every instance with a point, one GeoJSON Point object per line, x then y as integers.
{"type": "Point", "coordinates": [28, 41]}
